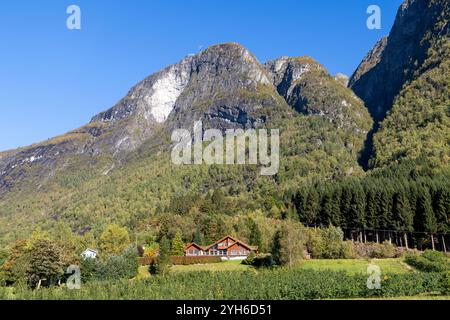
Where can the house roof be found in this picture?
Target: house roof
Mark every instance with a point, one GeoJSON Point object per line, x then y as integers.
{"type": "Point", "coordinates": [91, 250]}
{"type": "Point", "coordinates": [193, 244]}
{"type": "Point", "coordinates": [205, 248]}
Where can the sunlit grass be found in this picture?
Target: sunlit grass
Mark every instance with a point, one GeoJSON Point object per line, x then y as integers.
{"type": "Point", "coordinates": [353, 266]}
{"type": "Point", "coordinates": [214, 267]}
{"type": "Point", "coordinates": [358, 266]}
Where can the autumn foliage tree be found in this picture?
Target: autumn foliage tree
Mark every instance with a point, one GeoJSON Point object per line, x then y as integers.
{"type": "Point", "coordinates": [114, 240]}
{"type": "Point", "coordinates": [45, 263]}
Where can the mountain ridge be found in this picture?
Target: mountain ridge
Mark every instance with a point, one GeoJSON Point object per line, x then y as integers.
{"type": "Point", "coordinates": [224, 85]}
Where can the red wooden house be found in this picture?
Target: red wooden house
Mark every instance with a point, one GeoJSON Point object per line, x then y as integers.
{"type": "Point", "coordinates": [227, 247]}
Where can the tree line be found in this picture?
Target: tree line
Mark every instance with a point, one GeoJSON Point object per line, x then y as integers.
{"type": "Point", "coordinates": [400, 205]}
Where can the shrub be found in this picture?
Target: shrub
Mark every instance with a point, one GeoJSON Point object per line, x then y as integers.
{"type": "Point", "coordinates": [446, 283]}
{"type": "Point", "coordinates": [250, 259]}
{"type": "Point", "coordinates": [3, 256]}
{"type": "Point", "coordinates": [429, 261]}
{"type": "Point", "coordinates": [328, 243]}
{"type": "Point", "coordinates": [288, 244]}
{"type": "Point", "coordinates": [121, 267]}
{"type": "Point", "coordinates": [263, 261]}
{"type": "Point", "coordinates": [348, 250]}
{"type": "Point", "coordinates": [115, 268]}
{"type": "Point", "coordinates": [370, 250]}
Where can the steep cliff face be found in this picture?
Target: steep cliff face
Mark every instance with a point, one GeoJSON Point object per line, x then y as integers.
{"type": "Point", "coordinates": [404, 81]}
{"type": "Point", "coordinates": [396, 60]}
{"type": "Point", "coordinates": [308, 88]}
{"type": "Point", "coordinates": [228, 88]}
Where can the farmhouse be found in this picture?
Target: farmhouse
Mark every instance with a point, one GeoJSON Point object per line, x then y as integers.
{"type": "Point", "coordinates": [227, 247]}
{"type": "Point", "coordinates": [89, 254]}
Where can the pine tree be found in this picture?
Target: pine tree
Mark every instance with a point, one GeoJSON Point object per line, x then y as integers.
{"type": "Point", "coordinates": [346, 198]}
{"type": "Point", "coordinates": [404, 218]}
{"type": "Point", "coordinates": [442, 209]}
{"type": "Point", "coordinates": [336, 218]}
{"type": "Point", "coordinates": [275, 248]}
{"type": "Point", "coordinates": [384, 204]}
{"type": "Point", "coordinates": [198, 237]}
{"type": "Point", "coordinates": [357, 219]}
{"type": "Point", "coordinates": [371, 209]}
{"type": "Point", "coordinates": [425, 221]}
{"type": "Point", "coordinates": [177, 245]}
{"type": "Point", "coordinates": [326, 208]}
{"type": "Point", "coordinates": [255, 238]}
{"type": "Point", "coordinates": [311, 207]}
{"type": "Point", "coordinates": [164, 260]}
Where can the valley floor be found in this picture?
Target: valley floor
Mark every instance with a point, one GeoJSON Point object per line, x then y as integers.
{"type": "Point", "coordinates": [312, 280]}
{"type": "Point", "coordinates": [351, 266]}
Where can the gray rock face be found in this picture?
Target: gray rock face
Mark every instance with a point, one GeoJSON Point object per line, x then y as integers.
{"type": "Point", "coordinates": [342, 79]}
{"type": "Point", "coordinates": [308, 88]}
{"type": "Point", "coordinates": [394, 61]}
{"type": "Point", "coordinates": [370, 61]}
{"type": "Point", "coordinates": [228, 87]}
{"type": "Point", "coordinates": [286, 72]}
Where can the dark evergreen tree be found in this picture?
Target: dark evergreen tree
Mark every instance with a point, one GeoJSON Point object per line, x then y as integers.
{"type": "Point", "coordinates": [425, 221]}
{"type": "Point", "coordinates": [198, 237]}
{"type": "Point", "coordinates": [164, 257]}
{"type": "Point", "coordinates": [255, 238]}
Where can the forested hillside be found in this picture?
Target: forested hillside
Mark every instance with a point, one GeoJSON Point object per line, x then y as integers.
{"type": "Point", "coordinates": [117, 169]}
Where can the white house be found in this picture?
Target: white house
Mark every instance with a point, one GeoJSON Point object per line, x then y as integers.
{"type": "Point", "coordinates": [89, 254]}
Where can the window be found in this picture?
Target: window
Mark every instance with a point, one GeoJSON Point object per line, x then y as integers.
{"type": "Point", "coordinates": [234, 252]}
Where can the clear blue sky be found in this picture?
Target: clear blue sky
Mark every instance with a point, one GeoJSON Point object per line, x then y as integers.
{"type": "Point", "coordinates": [53, 79]}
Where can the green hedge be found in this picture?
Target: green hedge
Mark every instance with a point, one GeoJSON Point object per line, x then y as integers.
{"type": "Point", "coordinates": [277, 284]}
{"type": "Point", "coordinates": [429, 261]}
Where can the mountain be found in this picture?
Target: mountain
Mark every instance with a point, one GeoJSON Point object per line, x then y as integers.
{"type": "Point", "coordinates": [397, 59]}
{"type": "Point", "coordinates": [404, 81]}
{"type": "Point", "coordinates": [309, 89]}
{"type": "Point", "coordinates": [117, 167]}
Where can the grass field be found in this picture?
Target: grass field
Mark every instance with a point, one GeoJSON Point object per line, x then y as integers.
{"type": "Point", "coordinates": [215, 267]}
{"type": "Point", "coordinates": [350, 266]}
{"type": "Point", "coordinates": [414, 298]}
{"type": "Point", "coordinates": [358, 266]}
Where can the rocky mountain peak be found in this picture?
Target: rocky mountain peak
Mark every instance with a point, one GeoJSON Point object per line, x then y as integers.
{"type": "Point", "coordinates": [342, 79]}
{"type": "Point", "coordinates": [308, 87]}
{"type": "Point", "coordinates": [216, 67]}
{"type": "Point", "coordinates": [286, 71]}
